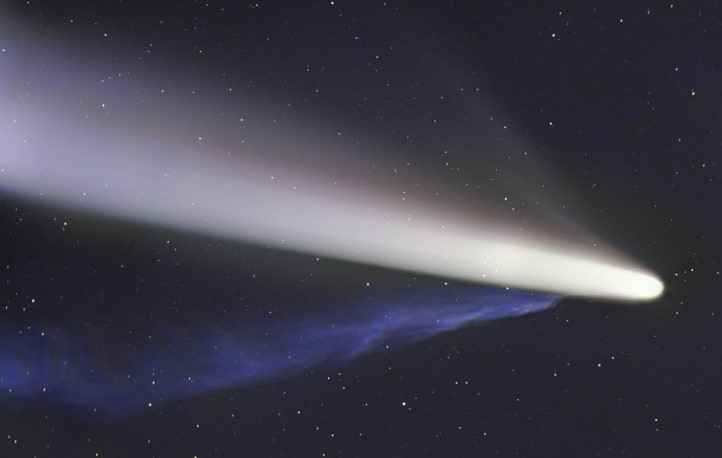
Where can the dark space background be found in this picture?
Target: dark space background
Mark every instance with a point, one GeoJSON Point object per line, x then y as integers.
{"type": "Point", "coordinates": [620, 101]}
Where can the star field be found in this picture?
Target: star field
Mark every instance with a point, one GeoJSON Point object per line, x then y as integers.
{"type": "Point", "coordinates": [596, 125]}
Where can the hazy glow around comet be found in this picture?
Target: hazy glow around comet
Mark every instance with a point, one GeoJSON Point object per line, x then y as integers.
{"type": "Point", "coordinates": [166, 177]}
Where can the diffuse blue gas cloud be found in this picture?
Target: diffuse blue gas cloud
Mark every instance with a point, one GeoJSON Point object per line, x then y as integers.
{"type": "Point", "coordinates": [60, 365]}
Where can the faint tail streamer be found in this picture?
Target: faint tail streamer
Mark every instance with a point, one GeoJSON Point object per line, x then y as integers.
{"type": "Point", "coordinates": [94, 368]}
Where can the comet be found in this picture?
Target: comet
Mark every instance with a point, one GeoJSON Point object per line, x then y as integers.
{"type": "Point", "coordinates": [183, 188]}
{"type": "Point", "coordinates": [78, 134]}
{"type": "Point", "coordinates": [131, 149]}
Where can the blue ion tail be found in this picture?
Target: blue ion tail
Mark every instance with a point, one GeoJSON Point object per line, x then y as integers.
{"type": "Point", "coordinates": [90, 368]}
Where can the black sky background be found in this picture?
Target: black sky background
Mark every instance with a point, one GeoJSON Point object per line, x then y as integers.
{"type": "Point", "coordinates": [619, 101]}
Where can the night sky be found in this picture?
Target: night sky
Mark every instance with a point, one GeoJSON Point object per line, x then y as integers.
{"type": "Point", "coordinates": [131, 333]}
